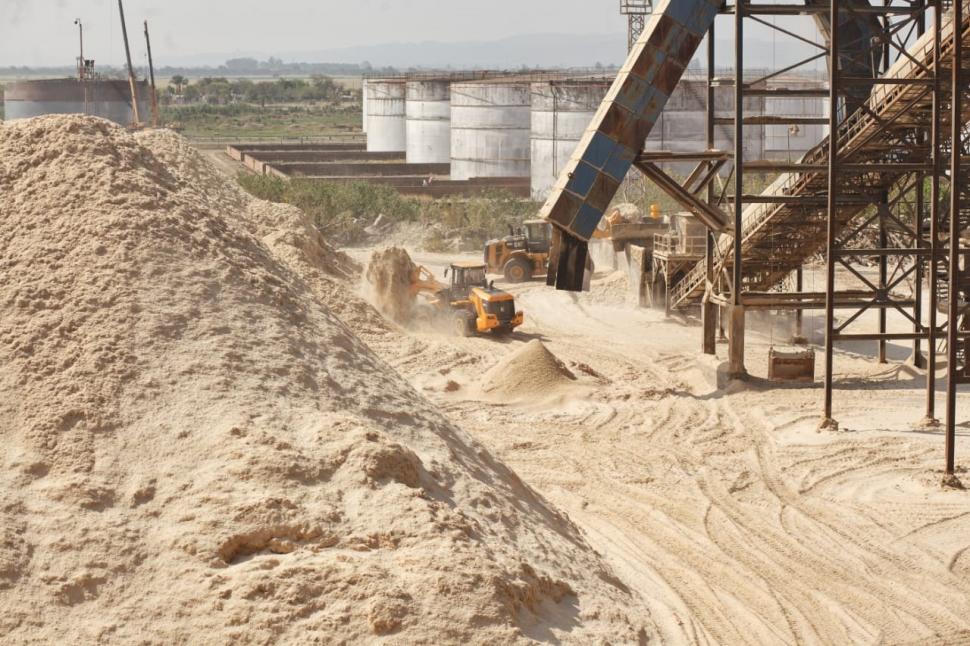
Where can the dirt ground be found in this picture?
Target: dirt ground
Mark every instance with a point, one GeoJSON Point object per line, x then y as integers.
{"type": "Point", "coordinates": [737, 521]}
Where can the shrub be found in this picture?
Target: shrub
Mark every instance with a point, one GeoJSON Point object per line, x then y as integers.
{"type": "Point", "coordinates": [343, 209]}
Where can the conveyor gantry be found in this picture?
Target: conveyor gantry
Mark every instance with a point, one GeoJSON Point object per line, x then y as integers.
{"type": "Point", "coordinates": [875, 151]}
{"type": "Point", "coordinates": [616, 135]}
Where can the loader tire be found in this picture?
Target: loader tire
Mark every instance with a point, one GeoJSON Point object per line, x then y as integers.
{"type": "Point", "coordinates": [464, 323]}
{"type": "Point", "coordinates": [518, 270]}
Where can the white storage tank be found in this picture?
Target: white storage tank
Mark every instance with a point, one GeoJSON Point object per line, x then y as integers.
{"type": "Point", "coordinates": [792, 141]}
{"type": "Point", "coordinates": [386, 130]}
{"type": "Point", "coordinates": [490, 129]}
{"type": "Point", "coordinates": [428, 109]}
{"type": "Point", "coordinates": [682, 126]}
{"type": "Point", "coordinates": [109, 99]}
{"type": "Point", "coordinates": [561, 113]}
{"type": "Point", "coordinates": [363, 100]}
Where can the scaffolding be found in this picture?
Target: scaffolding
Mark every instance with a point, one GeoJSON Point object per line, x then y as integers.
{"type": "Point", "coordinates": [636, 12]}
{"type": "Point", "coordinates": [872, 191]}
{"type": "Point", "coordinates": [888, 185]}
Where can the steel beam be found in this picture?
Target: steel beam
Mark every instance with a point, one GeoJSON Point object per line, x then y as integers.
{"type": "Point", "coordinates": [712, 217]}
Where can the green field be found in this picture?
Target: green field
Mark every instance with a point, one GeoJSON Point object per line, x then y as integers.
{"type": "Point", "coordinates": [242, 121]}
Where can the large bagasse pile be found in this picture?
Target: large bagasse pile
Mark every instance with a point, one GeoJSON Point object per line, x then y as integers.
{"type": "Point", "coordinates": [195, 448]}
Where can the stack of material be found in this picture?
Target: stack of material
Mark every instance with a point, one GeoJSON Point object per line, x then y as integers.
{"type": "Point", "coordinates": [195, 447]}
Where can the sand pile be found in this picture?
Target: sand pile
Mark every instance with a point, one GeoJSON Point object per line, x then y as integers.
{"type": "Point", "coordinates": [388, 274]}
{"type": "Point", "coordinates": [285, 229]}
{"type": "Point", "coordinates": [279, 225]}
{"type": "Point", "coordinates": [530, 370]}
{"type": "Point", "coordinates": [195, 448]}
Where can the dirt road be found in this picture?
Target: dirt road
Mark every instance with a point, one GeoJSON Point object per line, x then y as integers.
{"type": "Point", "coordinates": [724, 507]}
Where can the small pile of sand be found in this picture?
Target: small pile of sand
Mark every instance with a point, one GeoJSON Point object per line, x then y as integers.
{"type": "Point", "coordinates": [194, 447]}
{"type": "Point", "coordinates": [389, 275]}
{"type": "Point", "coordinates": [531, 370]}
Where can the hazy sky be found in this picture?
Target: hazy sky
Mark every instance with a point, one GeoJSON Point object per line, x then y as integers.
{"type": "Point", "coordinates": [42, 32]}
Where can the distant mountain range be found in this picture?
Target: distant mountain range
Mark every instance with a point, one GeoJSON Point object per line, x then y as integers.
{"type": "Point", "coordinates": [544, 51]}
{"type": "Point", "coordinates": [532, 50]}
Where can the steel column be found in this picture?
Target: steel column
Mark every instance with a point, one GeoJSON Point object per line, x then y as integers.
{"type": "Point", "coordinates": [827, 421]}
{"type": "Point", "coordinates": [935, 144]}
{"type": "Point", "coordinates": [883, 270]}
{"type": "Point", "coordinates": [738, 146]}
{"type": "Point", "coordinates": [709, 311]}
{"type": "Point", "coordinates": [920, 218]}
{"type": "Point", "coordinates": [736, 327]}
{"type": "Point", "coordinates": [799, 335]}
{"type": "Point", "coordinates": [919, 276]}
{"type": "Point", "coordinates": [956, 132]}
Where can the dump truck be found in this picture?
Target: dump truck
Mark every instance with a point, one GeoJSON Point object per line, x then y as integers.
{"type": "Point", "coordinates": [521, 255]}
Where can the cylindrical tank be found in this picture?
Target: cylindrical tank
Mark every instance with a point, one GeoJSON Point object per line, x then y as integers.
{"type": "Point", "coordinates": [790, 142]}
{"type": "Point", "coordinates": [363, 99]}
{"type": "Point", "coordinates": [428, 110]}
{"type": "Point", "coordinates": [490, 129]}
{"type": "Point", "coordinates": [386, 130]}
{"type": "Point", "coordinates": [561, 112]}
{"type": "Point", "coordinates": [109, 99]}
{"type": "Point", "coordinates": [682, 126]}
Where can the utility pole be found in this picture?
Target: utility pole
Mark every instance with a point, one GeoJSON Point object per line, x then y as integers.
{"type": "Point", "coordinates": [132, 81]}
{"type": "Point", "coordinates": [80, 59]}
{"type": "Point", "coordinates": [151, 74]}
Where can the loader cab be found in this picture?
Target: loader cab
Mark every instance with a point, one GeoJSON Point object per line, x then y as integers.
{"type": "Point", "coordinates": [538, 236]}
{"type": "Point", "coordinates": [465, 276]}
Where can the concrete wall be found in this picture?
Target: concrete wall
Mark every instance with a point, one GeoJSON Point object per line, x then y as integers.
{"type": "Point", "coordinates": [633, 260]}
{"type": "Point", "coordinates": [359, 170]}
{"type": "Point", "coordinates": [518, 186]}
{"type": "Point", "coordinates": [428, 109]}
{"type": "Point", "coordinates": [311, 156]}
{"type": "Point", "coordinates": [561, 112]}
{"type": "Point", "coordinates": [386, 130]}
{"type": "Point", "coordinates": [785, 142]}
{"type": "Point", "coordinates": [490, 129]}
{"type": "Point", "coordinates": [363, 100]}
{"type": "Point", "coordinates": [682, 126]}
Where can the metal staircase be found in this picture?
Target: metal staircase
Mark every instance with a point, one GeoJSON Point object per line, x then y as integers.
{"type": "Point", "coordinates": [786, 224]}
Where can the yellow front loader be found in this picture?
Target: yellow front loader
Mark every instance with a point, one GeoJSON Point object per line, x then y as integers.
{"type": "Point", "coordinates": [474, 304]}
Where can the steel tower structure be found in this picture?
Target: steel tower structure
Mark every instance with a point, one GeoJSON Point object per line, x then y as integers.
{"type": "Point", "coordinates": [877, 189]}
{"type": "Point", "coordinates": [636, 12]}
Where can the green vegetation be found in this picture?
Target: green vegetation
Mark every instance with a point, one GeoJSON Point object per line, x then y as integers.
{"type": "Point", "coordinates": [343, 210]}
{"type": "Point", "coordinates": [245, 121]}
{"type": "Point", "coordinates": [241, 108]}
{"type": "Point", "coordinates": [638, 190]}
{"type": "Point", "coordinates": [222, 91]}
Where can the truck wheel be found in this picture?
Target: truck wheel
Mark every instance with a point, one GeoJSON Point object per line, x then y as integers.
{"type": "Point", "coordinates": [518, 270]}
{"type": "Point", "coordinates": [464, 324]}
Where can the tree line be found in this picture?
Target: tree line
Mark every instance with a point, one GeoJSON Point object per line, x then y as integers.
{"type": "Point", "coordinates": [222, 91]}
